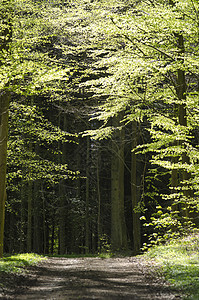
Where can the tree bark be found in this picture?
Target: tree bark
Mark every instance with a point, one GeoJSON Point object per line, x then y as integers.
{"type": "Point", "coordinates": [118, 226]}
{"type": "Point", "coordinates": [44, 219]}
{"type": "Point", "coordinates": [22, 217]}
{"type": "Point", "coordinates": [5, 40]}
{"type": "Point", "coordinates": [29, 225]}
{"type": "Point", "coordinates": [99, 203]}
{"type": "Point", "coordinates": [136, 214]}
{"type": "Point", "coordinates": [62, 195]}
{"type": "Point", "coordinates": [37, 218]}
{"type": "Point", "coordinates": [87, 223]}
{"type": "Point", "coordinates": [182, 118]}
{"type": "Point", "coordinates": [4, 107]}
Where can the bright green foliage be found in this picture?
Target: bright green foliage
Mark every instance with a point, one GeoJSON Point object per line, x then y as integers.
{"type": "Point", "coordinates": [15, 263]}
{"type": "Point", "coordinates": [26, 70]}
{"type": "Point", "coordinates": [30, 130]}
{"type": "Point", "coordinates": [95, 60]}
{"type": "Point", "coordinates": [33, 72]}
{"type": "Point", "coordinates": [105, 247]}
{"type": "Point", "coordinates": [34, 76]}
{"type": "Point", "coordinates": [179, 260]}
{"type": "Point", "coordinates": [166, 225]}
{"type": "Point", "coordinates": [151, 46]}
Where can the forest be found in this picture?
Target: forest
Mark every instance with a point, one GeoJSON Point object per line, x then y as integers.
{"type": "Point", "coordinates": [99, 124]}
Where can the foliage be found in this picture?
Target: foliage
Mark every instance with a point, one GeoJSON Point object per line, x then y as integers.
{"type": "Point", "coordinates": [30, 131]}
{"type": "Point", "coordinates": [152, 70]}
{"type": "Point", "coordinates": [166, 224]}
{"type": "Point", "coordinates": [74, 61]}
{"type": "Point", "coordinates": [144, 74]}
{"type": "Point", "coordinates": [179, 260]}
{"type": "Point", "coordinates": [104, 247]}
{"type": "Point", "coordinates": [33, 76]}
{"type": "Point", "coordinates": [28, 71]}
{"type": "Point", "coordinates": [17, 262]}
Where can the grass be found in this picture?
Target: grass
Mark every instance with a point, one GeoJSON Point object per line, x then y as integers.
{"type": "Point", "coordinates": [16, 263]}
{"type": "Point", "coordinates": [180, 263]}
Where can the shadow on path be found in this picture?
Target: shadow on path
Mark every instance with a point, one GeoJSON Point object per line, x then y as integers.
{"type": "Point", "coordinates": [92, 278]}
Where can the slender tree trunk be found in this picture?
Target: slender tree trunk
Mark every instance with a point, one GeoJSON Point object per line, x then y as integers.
{"type": "Point", "coordinates": [75, 240]}
{"type": "Point", "coordinates": [99, 205]}
{"type": "Point", "coordinates": [62, 196]}
{"type": "Point", "coordinates": [62, 220]}
{"type": "Point", "coordinates": [4, 106]}
{"type": "Point", "coordinates": [62, 233]}
{"type": "Point", "coordinates": [44, 218]}
{"type": "Point", "coordinates": [37, 240]}
{"type": "Point", "coordinates": [5, 41]}
{"type": "Point", "coordinates": [12, 240]}
{"type": "Point", "coordinates": [30, 200]}
{"type": "Point", "coordinates": [174, 178]}
{"type": "Point", "coordinates": [136, 214]}
{"type": "Point", "coordinates": [29, 225]}
{"type": "Point", "coordinates": [118, 226]}
{"type": "Point", "coordinates": [182, 111]}
{"type": "Point", "coordinates": [52, 235]}
{"type": "Point", "coordinates": [182, 118]}
{"type": "Point", "coordinates": [47, 238]}
{"type": "Point", "coordinates": [22, 217]}
{"type": "Point", "coordinates": [37, 212]}
{"type": "Point", "coordinates": [87, 223]}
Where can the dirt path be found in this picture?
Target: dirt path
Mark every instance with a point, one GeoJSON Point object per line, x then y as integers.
{"type": "Point", "coordinates": [91, 278]}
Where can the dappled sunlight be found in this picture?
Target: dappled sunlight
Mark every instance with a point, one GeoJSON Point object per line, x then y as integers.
{"type": "Point", "coordinates": [95, 278]}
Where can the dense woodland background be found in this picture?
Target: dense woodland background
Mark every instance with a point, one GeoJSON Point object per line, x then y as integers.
{"type": "Point", "coordinates": [103, 123]}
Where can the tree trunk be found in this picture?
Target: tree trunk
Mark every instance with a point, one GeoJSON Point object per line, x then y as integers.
{"type": "Point", "coordinates": [62, 220]}
{"type": "Point", "coordinates": [174, 179]}
{"type": "Point", "coordinates": [87, 223]}
{"type": "Point", "coordinates": [4, 106]}
{"type": "Point", "coordinates": [136, 214]}
{"type": "Point", "coordinates": [118, 226]}
{"type": "Point", "coordinates": [52, 235]}
{"type": "Point", "coordinates": [44, 218]}
{"type": "Point", "coordinates": [99, 204]}
{"type": "Point", "coordinates": [37, 217]}
{"type": "Point", "coordinates": [182, 118]}
{"type": "Point", "coordinates": [23, 217]}
{"type": "Point", "coordinates": [29, 225]}
{"type": "Point", "coordinates": [62, 196]}
{"type": "Point", "coordinates": [5, 40]}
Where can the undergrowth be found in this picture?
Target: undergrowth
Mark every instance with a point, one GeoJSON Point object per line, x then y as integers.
{"type": "Point", "coordinates": [16, 263]}
{"type": "Point", "coordinates": [180, 261]}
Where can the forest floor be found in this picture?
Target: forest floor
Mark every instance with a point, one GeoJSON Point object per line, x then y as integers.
{"type": "Point", "coordinates": [88, 278]}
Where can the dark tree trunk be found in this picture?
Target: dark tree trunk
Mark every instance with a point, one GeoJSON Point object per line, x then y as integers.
{"type": "Point", "coordinates": [5, 40]}
{"type": "Point", "coordinates": [136, 214]}
{"type": "Point", "coordinates": [118, 225]}
{"type": "Point", "coordinates": [4, 106]}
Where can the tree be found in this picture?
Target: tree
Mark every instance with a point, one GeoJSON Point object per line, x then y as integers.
{"type": "Point", "coordinates": [134, 196]}
{"type": "Point", "coordinates": [118, 226]}
{"type": "Point", "coordinates": [122, 67]}
{"type": "Point", "coordinates": [26, 71]}
{"type": "Point", "coordinates": [153, 75]}
{"type": "Point", "coordinates": [4, 106]}
{"type": "Point", "coordinates": [5, 44]}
